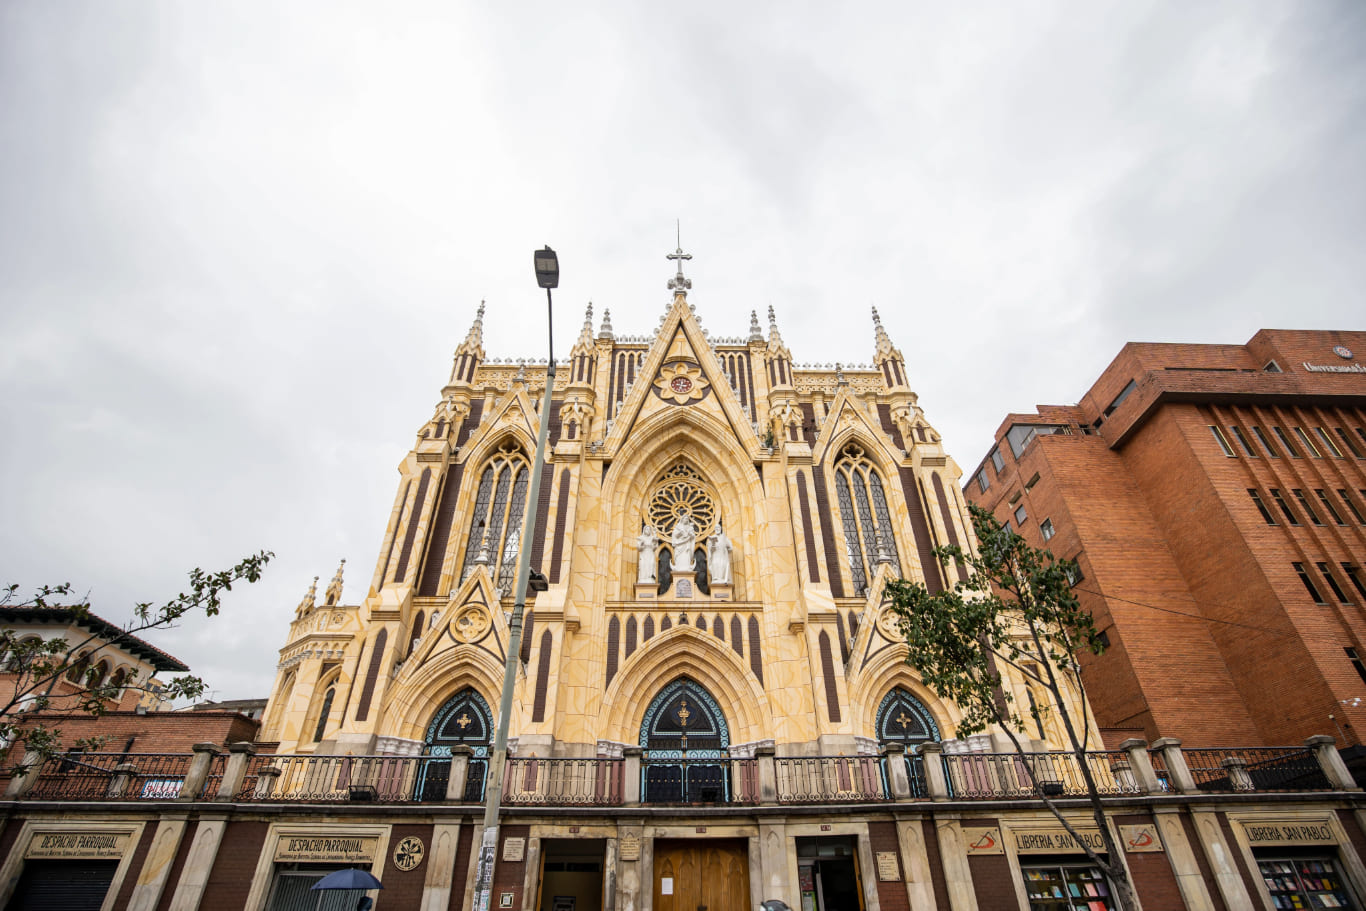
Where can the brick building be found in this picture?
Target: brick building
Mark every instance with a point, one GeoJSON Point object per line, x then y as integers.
{"type": "Point", "coordinates": [1214, 497]}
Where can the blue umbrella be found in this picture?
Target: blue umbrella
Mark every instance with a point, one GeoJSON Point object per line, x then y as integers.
{"type": "Point", "coordinates": [350, 878]}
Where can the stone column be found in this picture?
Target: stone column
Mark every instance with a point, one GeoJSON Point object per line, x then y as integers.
{"type": "Point", "coordinates": [631, 786]}
{"type": "Point", "coordinates": [123, 774]}
{"type": "Point", "coordinates": [156, 867]}
{"type": "Point", "coordinates": [460, 772]}
{"type": "Point", "coordinates": [1141, 766]}
{"type": "Point", "coordinates": [935, 782]}
{"type": "Point", "coordinates": [265, 782]}
{"type": "Point", "coordinates": [1181, 778]}
{"type": "Point", "coordinates": [1181, 857]}
{"type": "Point", "coordinates": [1325, 750]}
{"type": "Point", "coordinates": [194, 878]}
{"type": "Point", "coordinates": [24, 777]}
{"type": "Point", "coordinates": [235, 771]}
{"type": "Point", "coordinates": [898, 782]}
{"type": "Point", "coordinates": [204, 754]}
{"type": "Point", "coordinates": [440, 876]}
{"type": "Point", "coordinates": [768, 773]}
{"type": "Point", "coordinates": [1238, 777]}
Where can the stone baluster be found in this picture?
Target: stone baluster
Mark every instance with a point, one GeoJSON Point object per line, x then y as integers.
{"type": "Point", "coordinates": [1180, 773]}
{"type": "Point", "coordinates": [935, 782]}
{"type": "Point", "coordinates": [631, 786]}
{"type": "Point", "coordinates": [265, 782]}
{"type": "Point", "coordinates": [1140, 768]}
{"type": "Point", "coordinates": [898, 782]}
{"type": "Point", "coordinates": [204, 754]}
{"type": "Point", "coordinates": [768, 773]}
{"type": "Point", "coordinates": [1238, 776]}
{"type": "Point", "coordinates": [123, 776]}
{"type": "Point", "coordinates": [235, 771]}
{"type": "Point", "coordinates": [459, 774]}
{"type": "Point", "coordinates": [1325, 750]}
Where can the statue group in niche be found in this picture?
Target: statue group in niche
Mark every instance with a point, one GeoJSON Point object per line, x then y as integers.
{"type": "Point", "coordinates": [684, 541]}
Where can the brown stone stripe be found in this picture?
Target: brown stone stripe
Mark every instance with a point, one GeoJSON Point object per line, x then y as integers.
{"type": "Point", "coordinates": [891, 894]}
{"type": "Point", "coordinates": [827, 534]}
{"type": "Point", "coordinates": [812, 566]}
{"type": "Point", "coordinates": [756, 658]}
{"type": "Point", "coordinates": [884, 416]}
{"type": "Point", "coordinates": [735, 637]}
{"type": "Point", "coordinates": [413, 520]}
{"type": "Point", "coordinates": [649, 629]}
{"type": "Point", "coordinates": [368, 690]}
{"type": "Point", "coordinates": [561, 511]}
{"type": "Point", "coordinates": [542, 677]}
{"type": "Point", "coordinates": [441, 533]}
{"type": "Point", "coordinates": [542, 513]}
{"type": "Point", "coordinates": [398, 528]}
{"type": "Point", "coordinates": [950, 521]}
{"type": "Point", "coordinates": [528, 628]}
{"type": "Point", "coordinates": [613, 645]}
{"type": "Point", "coordinates": [928, 564]}
{"type": "Point", "coordinates": [471, 421]}
{"type": "Point", "coordinates": [630, 635]}
{"type": "Point", "coordinates": [832, 702]}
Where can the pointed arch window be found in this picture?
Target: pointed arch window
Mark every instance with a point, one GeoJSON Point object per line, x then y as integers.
{"type": "Point", "coordinates": [868, 536]}
{"type": "Point", "coordinates": [495, 529]}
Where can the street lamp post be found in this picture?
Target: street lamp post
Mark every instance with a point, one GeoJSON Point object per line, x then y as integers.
{"type": "Point", "coordinates": [547, 276]}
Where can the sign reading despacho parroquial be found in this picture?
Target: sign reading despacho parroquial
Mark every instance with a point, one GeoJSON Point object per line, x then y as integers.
{"type": "Point", "coordinates": [78, 844]}
{"type": "Point", "coordinates": [327, 848]}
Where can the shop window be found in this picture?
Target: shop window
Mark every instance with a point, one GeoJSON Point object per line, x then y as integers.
{"type": "Point", "coordinates": [1058, 886]}
{"type": "Point", "coordinates": [293, 889]}
{"type": "Point", "coordinates": [1304, 882]}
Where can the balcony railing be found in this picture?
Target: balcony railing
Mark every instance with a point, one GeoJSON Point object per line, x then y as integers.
{"type": "Point", "coordinates": [1269, 769]}
{"type": "Point", "coordinates": [564, 782]}
{"type": "Point", "coordinates": [675, 780]}
{"type": "Point", "coordinates": [830, 779]}
{"type": "Point", "coordinates": [992, 776]}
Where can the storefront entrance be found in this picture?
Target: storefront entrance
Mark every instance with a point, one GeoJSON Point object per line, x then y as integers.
{"type": "Point", "coordinates": [702, 875]}
{"type": "Point", "coordinates": [63, 885]}
{"type": "Point", "coordinates": [571, 874]}
{"type": "Point", "coordinates": [827, 873]}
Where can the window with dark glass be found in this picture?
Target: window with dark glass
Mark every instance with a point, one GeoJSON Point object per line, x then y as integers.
{"type": "Point", "coordinates": [323, 713]}
{"type": "Point", "coordinates": [1261, 506]}
{"type": "Point", "coordinates": [864, 514]}
{"type": "Point", "coordinates": [1285, 441]}
{"type": "Point", "coordinates": [1354, 576]}
{"type": "Point", "coordinates": [1304, 504]}
{"type": "Point", "coordinates": [1221, 440]}
{"type": "Point", "coordinates": [1285, 507]}
{"type": "Point", "coordinates": [1347, 498]}
{"type": "Point", "coordinates": [1328, 442]}
{"type": "Point", "coordinates": [1073, 572]}
{"type": "Point", "coordinates": [1046, 529]}
{"type": "Point", "coordinates": [495, 529]}
{"type": "Point", "coordinates": [1328, 505]}
{"type": "Point", "coordinates": [1119, 399]}
{"type": "Point", "coordinates": [1020, 515]}
{"type": "Point", "coordinates": [998, 460]}
{"type": "Point", "coordinates": [1266, 443]}
{"type": "Point", "coordinates": [1242, 441]}
{"type": "Point", "coordinates": [1021, 435]}
{"type": "Point", "coordinates": [982, 482]}
{"type": "Point", "coordinates": [1332, 583]}
{"type": "Point", "coordinates": [1348, 441]}
{"type": "Point", "coordinates": [1356, 663]}
{"type": "Point", "coordinates": [1308, 443]}
{"type": "Point", "coordinates": [1308, 583]}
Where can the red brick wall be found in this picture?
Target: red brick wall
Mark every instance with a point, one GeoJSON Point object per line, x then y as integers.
{"type": "Point", "coordinates": [235, 866]}
{"type": "Point", "coordinates": [941, 889]}
{"type": "Point", "coordinates": [462, 866]}
{"type": "Point", "coordinates": [509, 876]}
{"type": "Point", "coordinates": [135, 867]}
{"type": "Point", "coordinates": [890, 895]}
{"type": "Point", "coordinates": [1152, 874]}
{"type": "Point", "coordinates": [993, 882]}
{"type": "Point", "coordinates": [155, 732]}
{"type": "Point", "coordinates": [404, 890]}
{"type": "Point", "coordinates": [177, 866]}
{"type": "Point", "coordinates": [1252, 879]}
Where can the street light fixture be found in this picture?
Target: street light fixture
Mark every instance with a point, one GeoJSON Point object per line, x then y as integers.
{"type": "Point", "coordinates": [547, 276]}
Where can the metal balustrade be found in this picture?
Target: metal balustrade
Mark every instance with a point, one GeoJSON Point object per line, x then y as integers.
{"type": "Point", "coordinates": [1268, 769]}
{"type": "Point", "coordinates": [989, 776]}
{"type": "Point", "coordinates": [563, 782]}
{"type": "Point", "coordinates": [830, 779]}
{"type": "Point", "coordinates": [675, 780]}
{"type": "Point", "coordinates": [334, 779]}
{"type": "Point", "coordinates": [93, 776]}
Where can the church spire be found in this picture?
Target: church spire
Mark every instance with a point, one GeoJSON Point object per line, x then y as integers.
{"type": "Point", "coordinates": [471, 351]}
{"type": "Point", "coordinates": [756, 334]}
{"type": "Point", "coordinates": [887, 358]}
{"type": "Point", "coordinates": [308, 602]}
{"type": "Point", "coordinates": [678, 284]}
{"type": "Point", "coordinates": [334, 588]}
{"type": "Point", "coordinates": [585, 340]}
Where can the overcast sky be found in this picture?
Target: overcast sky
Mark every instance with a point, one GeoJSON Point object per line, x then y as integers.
{"type": "Point", "coordinates": [239, 241]}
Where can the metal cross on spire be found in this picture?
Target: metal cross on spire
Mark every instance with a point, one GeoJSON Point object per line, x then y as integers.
{"type": "Point", "coordinates": [678, 284]}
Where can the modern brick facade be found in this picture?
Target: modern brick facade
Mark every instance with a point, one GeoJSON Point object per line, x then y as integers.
{"type": "Point", "coordinates": [1215, 637]}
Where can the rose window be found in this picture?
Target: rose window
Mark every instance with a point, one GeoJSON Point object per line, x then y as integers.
{"type": "Point", "coordinates": [680, 492]}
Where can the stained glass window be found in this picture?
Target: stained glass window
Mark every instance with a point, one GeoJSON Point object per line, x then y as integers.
{"type": "Point", "coordinates": [863, 512]}
{"type": "Point", "coordinates": [495, 529]}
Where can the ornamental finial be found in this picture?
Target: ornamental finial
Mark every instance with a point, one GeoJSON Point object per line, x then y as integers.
{"type": "Point", "coordinates": [606, 330]}
{"type": "Point", "coordinates": [678, 284]}
{"type": "Point", "coordinates": [334, 588]}
{"type": "Point", "coordinates": [307, 603]}
{"type": "Point", "coordinates": [586, 333]}
{"type": "Point", "coordinates": [756, 334]}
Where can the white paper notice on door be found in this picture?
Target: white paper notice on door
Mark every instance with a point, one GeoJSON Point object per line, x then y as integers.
{"type": "Point", "coordinates": [666, 885]}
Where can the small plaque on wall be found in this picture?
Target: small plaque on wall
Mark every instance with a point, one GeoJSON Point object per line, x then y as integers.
{"type": "Point", "coordinates": [514, 849]}
{"type": "Point", "coordinates": [887, 869]}
{"type": "Point", "coordinates": [628, 848]}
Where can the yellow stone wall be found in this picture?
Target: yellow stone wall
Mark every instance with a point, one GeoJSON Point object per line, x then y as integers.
{"type": "Point", "coordinates": [753, 453]}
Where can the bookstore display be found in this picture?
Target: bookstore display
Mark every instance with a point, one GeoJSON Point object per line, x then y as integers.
{"type": "Point", "coordinates": [1306, 882]}
{"type": "Point", "coordinates": [1067, 887]}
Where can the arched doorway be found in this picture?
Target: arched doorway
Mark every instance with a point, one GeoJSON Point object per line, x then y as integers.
{"type": "Point", "coordinates": [684, 742]}
{"type": "Point", "coordinates": [903, 719]}
{"type": "Point", "coordinates": [464, 720]}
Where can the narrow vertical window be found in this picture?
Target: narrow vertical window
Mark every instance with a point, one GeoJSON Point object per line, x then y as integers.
{"type": "Point", "coordinates": [982, 482]}
{"type": "Point", "coordinates": [1266, 443]}
{"type": "Point", "coordinates": [1304, 504]}
{"type": "Point", "coordinates": [1308, 443]}
{"type": "Point", "coordinates": [1348, 441]}
{"type": "Point", "coordinates": [864, 514]}
{"type": "Point", "coordinates": [1020, 515]}
{"type": "Point", "coordinates": [1328, 505]}
{"type": "Point", "coordinates": [1046, 529]}
{"type": "Point", "coordinates": [1351, 504]}
{"type": "Point", "coordinates": [495, 528]}
{"type": "Point", "coordinates": [998, 461]}
{"type": "Point", "coordinates": [1285, 441]}
{"type": "Point", "coordinates": [323, 714]}
{"type": "Point", "coordinates": [1242, 441]}
{"type": "Point", "coordinates": [1354, 576]}
{"type": "Point", "coordinates": [1328, 442]}
{"type": "Point", "coordinates": [1332, 583]}
{"type": "Point", "coordinates": [1261, 507]}
{"type": "Point", "coordinates": [1356, 663]}
{"type": "Point", "coordinates": [1308, 583]}
{"type": "Point", "coordinates": [1221, 440]}
{"type": "Point", "coordinates": [1285, 507]}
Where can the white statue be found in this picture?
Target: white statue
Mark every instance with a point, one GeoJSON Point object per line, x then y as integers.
{"type": "Point", "coordinates": [718, 556]}
{"type": "Point", "coordinates": [684, 540]}
{"type": "Point", "coordinates": [648, 547]}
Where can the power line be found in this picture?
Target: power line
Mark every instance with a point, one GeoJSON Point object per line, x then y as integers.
{"type": "Point", "coordinates": [1168, 610]}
